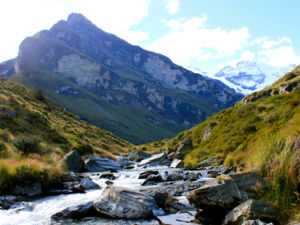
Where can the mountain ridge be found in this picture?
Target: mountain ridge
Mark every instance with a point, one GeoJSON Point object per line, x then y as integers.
{"type": "Point", "coordinates": [76, 62]}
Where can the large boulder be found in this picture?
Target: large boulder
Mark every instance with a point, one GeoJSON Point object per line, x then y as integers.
{"type": "Point", "coordinates": [137, 156]}
{"type": "Point", "coordinates": [250, 182]}
{"type": "Point", "coordinates": [100, 164]}
{"type": "Point", "coordinates": [157, 159]}
{"type": "Point", "coordinates": [217, 195]}
{"type": "Point", "coordinates": [75, 212]}
{"type": "Point", "coordinates": [123, 161]}
{"type": "Point", "coordinates": [74, 161]}
{"type": "Point", "coordinates": [251, 210]}
{"type": "Point", "coordinates": [215, 200]}
{"type": "Point", "coordinates": [120, 202]}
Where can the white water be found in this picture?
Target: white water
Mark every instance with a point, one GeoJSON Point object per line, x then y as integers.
{"type": "Point", "coordinates": [44, 208]}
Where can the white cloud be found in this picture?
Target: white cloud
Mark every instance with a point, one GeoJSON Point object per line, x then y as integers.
{"type": "Point", "coordinates": [19, 19]}
{"type": "Point", "coordinates": [281, 56]}
{"type": "Point", "coordinates": [272, 43]}
{"type": "Point", "coordinates": [172, 6]}
{"type": "Point", "coordinates": [190, 38]}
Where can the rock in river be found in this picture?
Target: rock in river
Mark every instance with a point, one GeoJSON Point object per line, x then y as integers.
{"type": "Point", "coordinates": [99, 164]}
{"type": "Point", "coordinates": [157, 159]}
{"type": "Point", "coordinates": [75, 212]}
{"type": "Point", "coordinates": [120, 202]}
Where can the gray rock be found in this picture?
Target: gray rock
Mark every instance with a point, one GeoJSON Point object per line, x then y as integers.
{"type": "Point", "coordinates": [218, 195]}
{"type": "Point", "coordinates": [88, 184]}
{"type": "Point", "coordinates": [186, 218]}
{"type": "Point", "coordinates": [157, 159]}
{"type": "Point", "coordinates": [75, 212]}
{"type": "Point", "coordinates": [175, 175]}
{"type": "Point", "coordinates": [176, 163]}
{"type": "Point", "coordinates": [152, 179]}
{"type": "Point", "coordinates": [9, 201]}
{"type": "Point", "coordinates": [108, 176]}
{"type": "Point", "coordinates": [120, 202]}
{"type": "Point", "coordinates": [184, 146]}
{"type": "Point", "coordinates": [28, 189]}
{"type": "Point", "coordinates": [192, 176]}
{"type": "Point", "coordinates": [123, 161]}
{"type": "Point", "coordinates": [210, 161]}
{"type": "Point", "coordinates": [251, 210]}
{"type": "Point", "coordinates": [137, 156]}
{"type": "Point", "coordinates": [74, 161]}
{"type": "Point", "coordinates": [250, 182]}
{"type": "Point", "coordinates": [147, 173]}
{"type": "Point", "coordinates": [100, 164]}
{"type": "Point", "coordinates": [173, 189]}
{"type": "Point", "coordinates": [255, 222]}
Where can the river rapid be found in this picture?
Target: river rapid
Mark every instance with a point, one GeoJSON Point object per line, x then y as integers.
{"type": "Point", "coordinates": [43, 208]}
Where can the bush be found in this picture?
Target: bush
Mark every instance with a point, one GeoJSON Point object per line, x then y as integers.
{"type": "Point", "coordinates": [27, 145]}
{"type": "Point", "coordinates": [84, 149]}
{"type": "Point", "coordinates": [39, 95]}
{"type": "Point", "coordinates": [246, 109]}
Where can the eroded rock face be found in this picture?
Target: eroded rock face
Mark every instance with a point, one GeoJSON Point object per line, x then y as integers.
{"type": "Point", "coordinates": [119, 202]}
{"type": "Point", "coordinates": [251, 210]}
{"type": "Point", "coordinates": [255, 222]}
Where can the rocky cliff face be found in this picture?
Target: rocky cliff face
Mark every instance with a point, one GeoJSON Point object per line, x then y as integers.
{"type": "Point", "coordinates": [139, 95]}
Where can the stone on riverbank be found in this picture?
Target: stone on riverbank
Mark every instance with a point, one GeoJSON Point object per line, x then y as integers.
{"type": "Point", "coordinates": [120, 202]}
{"type": "Point", "coordinates": [251, 210]}
{"type": "Point", "coordinates": [76, 212]}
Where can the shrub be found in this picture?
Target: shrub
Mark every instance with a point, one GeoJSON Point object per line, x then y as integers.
{"type": "Point", "coordinates": [84, 149]}
{"type": "Point", "coordinates": [27, 145]}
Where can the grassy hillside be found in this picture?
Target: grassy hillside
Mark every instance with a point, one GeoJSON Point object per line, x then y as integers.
{"type": "Point", "coordinates": [34, 136]}
{"type": "Point", "coordinates": [261, 132]}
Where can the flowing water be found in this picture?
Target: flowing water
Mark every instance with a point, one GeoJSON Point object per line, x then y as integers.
{"type": "Point", "coordinates": [44, 208]}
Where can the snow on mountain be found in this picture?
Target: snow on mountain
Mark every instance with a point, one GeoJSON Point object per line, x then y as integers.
{"type": "Point", "coordinates": [247, 77]}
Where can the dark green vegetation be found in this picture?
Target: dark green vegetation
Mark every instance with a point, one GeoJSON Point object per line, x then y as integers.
{"type": "Point", "coordinates": [35, 135]}
{"type": "Point", "coordinates": [138, 95]}
{"type": "Point", "coordinates": [261, 132]}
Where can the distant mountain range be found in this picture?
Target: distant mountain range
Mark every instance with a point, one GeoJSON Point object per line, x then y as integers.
{"type": "Point", "coordinates": [138, 95]}
{"type": "Point", "coordinates": [246, 76]}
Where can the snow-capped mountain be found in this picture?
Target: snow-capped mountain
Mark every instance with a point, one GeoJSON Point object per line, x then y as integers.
{"type": "Point", "coordinates": [247, 77]}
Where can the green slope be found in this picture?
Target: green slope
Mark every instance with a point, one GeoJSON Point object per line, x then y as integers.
{"type": "Point", "coordinates": [35, 135]}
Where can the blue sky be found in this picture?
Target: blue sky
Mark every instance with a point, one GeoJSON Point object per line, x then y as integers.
{"type": "Point", "coordinates": [206, 34]}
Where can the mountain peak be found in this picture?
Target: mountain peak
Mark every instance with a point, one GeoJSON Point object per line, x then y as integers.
{"type": "Point", "coordinates": [76, 17]}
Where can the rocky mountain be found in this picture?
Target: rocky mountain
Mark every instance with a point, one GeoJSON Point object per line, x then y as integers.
{"type": "Point", "coordinates": [138, 95]}
{"type": "Point", "coordinates": [247, 77]}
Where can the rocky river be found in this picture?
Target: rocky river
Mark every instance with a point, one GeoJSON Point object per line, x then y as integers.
{"type": "Point", "coordinates": [145, 192]}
